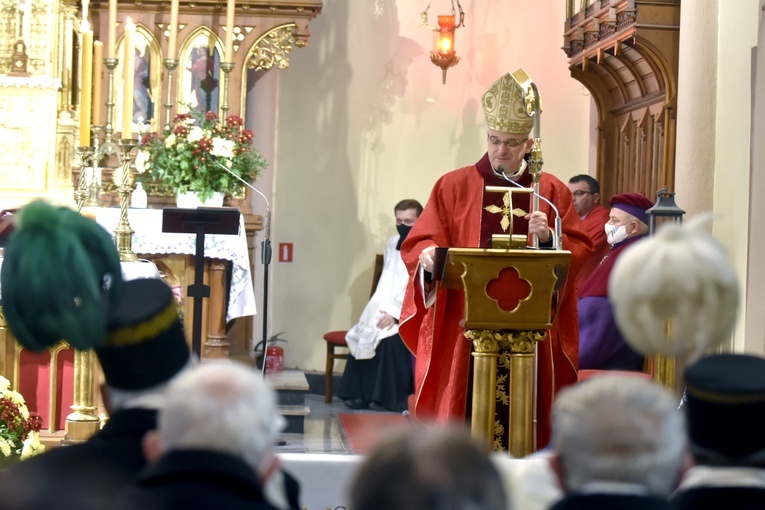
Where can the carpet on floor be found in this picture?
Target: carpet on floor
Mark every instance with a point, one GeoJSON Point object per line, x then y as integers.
{"type": "Point", "coordinates": [365, 430]}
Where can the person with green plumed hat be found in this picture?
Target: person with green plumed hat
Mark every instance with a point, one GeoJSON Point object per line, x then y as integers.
{"type": "Point", "coordinates": [60, 277]}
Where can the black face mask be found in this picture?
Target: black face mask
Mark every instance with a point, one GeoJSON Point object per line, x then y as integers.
{"type": "Point", "coordinates": [403, 231]}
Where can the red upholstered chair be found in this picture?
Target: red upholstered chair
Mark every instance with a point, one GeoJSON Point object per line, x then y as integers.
{"type": "Point", "coordinates": [336, 339]}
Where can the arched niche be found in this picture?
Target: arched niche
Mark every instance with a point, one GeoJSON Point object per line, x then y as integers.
{"type": "Point", "coordinates": [147, 87]}
{"type": "Point", "coordinates": [199, 72]}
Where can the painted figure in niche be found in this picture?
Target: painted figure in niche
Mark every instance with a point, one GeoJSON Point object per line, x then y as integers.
{"type": "Point", "coordinates": [143, 101]}
{"type": "Point", "coordinates": [204, 69]}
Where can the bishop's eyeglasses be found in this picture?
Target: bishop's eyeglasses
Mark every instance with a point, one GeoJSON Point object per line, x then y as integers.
{"type": "Point", "coordinates": [509, 144]}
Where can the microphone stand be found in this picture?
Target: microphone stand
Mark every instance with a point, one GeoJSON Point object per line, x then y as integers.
{"type": "Point", "coordinates": [265, 258]}
{"type": "Point", "coordinates": [558, 237]}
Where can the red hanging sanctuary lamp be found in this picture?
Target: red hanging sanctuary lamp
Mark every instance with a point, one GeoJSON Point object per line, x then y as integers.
{"type": "Point", "coordinates": [444, 54]}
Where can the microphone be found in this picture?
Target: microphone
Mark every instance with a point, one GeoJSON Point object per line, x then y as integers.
{"type": "Point", "coordinates": [267, 226]}
{"type": "Point", "coordinates": [265, 258]}
{"type": "Point", "coordinates": [558, 240]}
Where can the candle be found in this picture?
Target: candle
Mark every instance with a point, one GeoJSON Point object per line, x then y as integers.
{"type": "Point", "coordinates": [173, 29]}
{"type": "Point", "coordinates": [86, 82]}
{"type": "Point", "coordinates": [98, 62]}
{"type": "Point", "coordinates": [229, 55]}
{"type": "Point", "coordinates": [112, 40]}
{"type": "Point", "coordinates": [128, 80]}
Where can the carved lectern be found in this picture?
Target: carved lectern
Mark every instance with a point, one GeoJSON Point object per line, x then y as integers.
{"type": "Point", "coordinates": [509, 301]}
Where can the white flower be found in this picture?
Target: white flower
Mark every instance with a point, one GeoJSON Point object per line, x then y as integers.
{"type": "Point", "coordinates": [15, 396]}
{"type": "Point", "coordinates": [170, 140]}
{"type": "Point", "coordinates": [5, 447]}
{"type": "Point", "coordinates": [141, 160]}
{"type": "Point", "coordinates": [195, 134]}
{"type": "Point", "coordinates": [223, 148]}
{"type": "Point", "coordinates": [4, 383]}
{"type": "Point", "coordinates": [32, 446]}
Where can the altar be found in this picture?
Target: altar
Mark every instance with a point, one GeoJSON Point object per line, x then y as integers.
{"type": "Point", "coordinates": [150, 242]}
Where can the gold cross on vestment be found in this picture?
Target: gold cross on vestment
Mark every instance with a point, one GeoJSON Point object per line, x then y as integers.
{"type": "Point", "coordinates": [507, 209]}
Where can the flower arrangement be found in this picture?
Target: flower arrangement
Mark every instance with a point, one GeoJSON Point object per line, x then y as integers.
{"type": "Point", "coordinates": [18, 427]}
{"type": "Point", "coordinates": [189, 155]}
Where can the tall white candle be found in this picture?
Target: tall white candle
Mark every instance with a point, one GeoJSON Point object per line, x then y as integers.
{"type": "Point", "coordinates": [98, 57]}
{"type": "Point", "coordinates": [86, 83]}
{"type": "Point", "coordinates": [171, 47]}
{"type": "Point", "coordinates": [229, 56]}
{"type": "Point", "coordinates": [128, 79]}
{"type": "Point", "coordinates": [112, 40]}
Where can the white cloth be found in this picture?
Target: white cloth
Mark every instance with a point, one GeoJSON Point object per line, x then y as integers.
{"type": "Point", "coordinates": [364, 337]}
{"type": "Point", "coordinates": [530, 483]}
{"type": "Point", "coordinates": [709, 476]}
{"type": "Point", "coordinates": [139, 270]}
{"type": "Point", "coordinates": [150, 240]}
{"type": "Point", "coordinates": [130, 270]}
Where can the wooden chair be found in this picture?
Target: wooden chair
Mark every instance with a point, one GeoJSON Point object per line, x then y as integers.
{"type": "Point", "coordinates": [336, 339]}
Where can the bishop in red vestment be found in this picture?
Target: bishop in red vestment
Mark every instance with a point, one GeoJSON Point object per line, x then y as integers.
{"type": "Point", "coordinates": [455, 216]}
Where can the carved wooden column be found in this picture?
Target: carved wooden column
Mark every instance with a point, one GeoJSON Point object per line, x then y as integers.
{"type": "Point", "coordinates": [216, 345]}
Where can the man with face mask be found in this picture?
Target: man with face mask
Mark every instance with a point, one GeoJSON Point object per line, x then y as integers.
{"type": "Point", "coordinates": [378, 372]}
{"type": "Point", "coordinates": [601, 345]}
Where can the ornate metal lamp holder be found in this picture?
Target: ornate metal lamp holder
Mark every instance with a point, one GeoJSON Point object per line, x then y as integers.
{"type": "Point", "coordinates": [664, 211]}
{"type": "Point", "coordinates": [443, 54]}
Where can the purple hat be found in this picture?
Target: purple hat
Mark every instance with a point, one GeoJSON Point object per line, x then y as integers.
{"type": "Point", "coordinates": [635, 204]}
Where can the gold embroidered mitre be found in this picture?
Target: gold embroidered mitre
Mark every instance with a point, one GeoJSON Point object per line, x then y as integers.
{"type": "Point", "coordinates": [504, 104]}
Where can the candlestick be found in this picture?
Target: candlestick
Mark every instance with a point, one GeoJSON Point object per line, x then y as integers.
{"type": "Point", "coordinates": [86, 82]}
{"type": "Point", "coordinates": [94, 186]}
{"type": "Point", "coordinates": [109, 147]}
{"type": "Point", "coordinates": [229, 55]}
{"type": "Point", "coordinates": [173, 29]}
{"type": "Point", "coordinates": [123, 234]}
{"type": "Point", "coordinates": [112, 29]}
{"type": "Point", "coordinates": [81, 190]}
{"type": "Point", "coordinates": [170, 65]}
{"type": "Point", "coordinates": [128, 80]}
{"type": "Point", "coordinates": [98, 57]}
{"type": "Point", "coordinates": [226, 67]}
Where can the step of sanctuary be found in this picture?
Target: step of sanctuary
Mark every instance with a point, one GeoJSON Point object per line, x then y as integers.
{"type": "Point", "coordinates": [291, 387]}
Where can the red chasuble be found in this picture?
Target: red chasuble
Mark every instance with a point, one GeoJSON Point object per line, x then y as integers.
{"type": "Point", "coordinates": [594, 224]}
{"type": "Point", "coordinates": [454, 217]}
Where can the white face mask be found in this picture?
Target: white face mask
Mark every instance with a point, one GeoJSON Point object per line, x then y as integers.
{"type": "Point", "coordinates": [616, 234]}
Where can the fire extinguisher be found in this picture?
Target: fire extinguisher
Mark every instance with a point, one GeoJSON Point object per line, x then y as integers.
{"type": "Point", "coordinates": [274, 355]}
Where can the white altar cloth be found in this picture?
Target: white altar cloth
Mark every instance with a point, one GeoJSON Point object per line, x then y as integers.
{"type": "Point", "coordinates": [325, 479]}
{"type": "Point", "coordinates": [150, 240]}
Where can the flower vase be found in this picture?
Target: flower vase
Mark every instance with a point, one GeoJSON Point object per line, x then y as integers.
{"type": "Point", "coordinates": [190, 200]}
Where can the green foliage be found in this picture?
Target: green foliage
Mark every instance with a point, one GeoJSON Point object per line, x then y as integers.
{"type": "Point", "coordinates": [187, 157]}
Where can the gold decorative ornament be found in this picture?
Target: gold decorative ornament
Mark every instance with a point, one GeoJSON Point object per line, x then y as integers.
{"type": "Point", "coordinates": [273, 48]}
